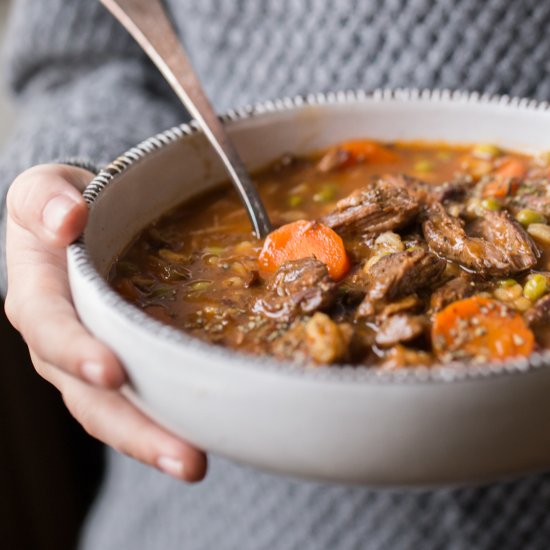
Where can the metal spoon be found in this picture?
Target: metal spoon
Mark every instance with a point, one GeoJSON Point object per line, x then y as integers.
{"type": "Point", "coordinates": [148, 23]}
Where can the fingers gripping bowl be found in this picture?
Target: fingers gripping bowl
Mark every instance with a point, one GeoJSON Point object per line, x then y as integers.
{"type": "Point", "coordinates": [458, 423]}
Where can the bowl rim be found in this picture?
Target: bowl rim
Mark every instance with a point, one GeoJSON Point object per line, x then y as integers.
{"type": "Point", "coordinates": [450, 372]}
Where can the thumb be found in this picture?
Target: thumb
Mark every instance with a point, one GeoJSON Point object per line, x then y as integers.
{"type": "Point", "coordinates": [46, 201]}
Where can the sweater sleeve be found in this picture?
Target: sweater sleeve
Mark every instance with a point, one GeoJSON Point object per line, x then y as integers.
{"type": "Point", "coordinates": [82, 89]}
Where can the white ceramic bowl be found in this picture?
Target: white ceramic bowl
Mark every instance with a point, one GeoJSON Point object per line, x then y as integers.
{"type": "Point", "coordinates": [417, 427]}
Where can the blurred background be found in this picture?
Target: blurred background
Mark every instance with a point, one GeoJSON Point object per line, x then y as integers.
{"type": "Point", "coordinates": [48, 467]}
{"type": "Point", "coordinates": [7, 112]}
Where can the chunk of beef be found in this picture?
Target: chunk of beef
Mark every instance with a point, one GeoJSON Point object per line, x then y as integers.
{"type": "Point", "coordinates": [532, 195]}
{"type": "Point", "coordinates": [539, 314]}
{"type": "Point", "coordinates": [502, 247]}
{"type": "Point", "coordinates": [455, 190]}
{"type": "Point", "coordinates": [401, 328]}
{"type": "Point", "coordinates": [456, 289]}
{"type": "Point", "coordinates": [446, 236]}
{"type": "Point", "coordinates": [403, 273]}
{"type": "Point", "coordinates": [297, 287]}
{"type": "Point", "coordinates": [400, 274]}
{"type": "Point", "coordinates": [408, 304]}
{"type": "Point", "coordinates": [427, 193]}
{"type": "Point", "coordinates": [379, 206]}
{"type": "Point", "coordinates": [514, 243]}
{"type": "Point", "coordinates": [352, 289]}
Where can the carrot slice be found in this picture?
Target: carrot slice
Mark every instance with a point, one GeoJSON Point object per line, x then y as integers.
{"type": "Point", "coordinates": [367, 150]}
{"type": "Point", "coordinates": [480, 328]}
{"type": "Point", "coordinates": [500, 188]}
{"type": "Point", "coordinates": [505, 179]}
{"type": "Point", "coordinates": [305, 239]}
{"type": "Point", "coordinates": [349, 153]}
{"type": "Point", "coordinates": [512, 168]}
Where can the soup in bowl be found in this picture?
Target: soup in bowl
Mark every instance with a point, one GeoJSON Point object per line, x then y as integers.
{"type": "Point", "coordinates": [391, 330]}
{"type": "Point", "coordinates": [383, 255]}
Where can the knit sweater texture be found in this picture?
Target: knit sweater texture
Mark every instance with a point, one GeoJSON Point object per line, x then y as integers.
{"type": "Point", "coordinates": [85, 91]}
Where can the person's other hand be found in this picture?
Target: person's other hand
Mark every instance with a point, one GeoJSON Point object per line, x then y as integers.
{"type": "Point", "coordinates": [46, 212]}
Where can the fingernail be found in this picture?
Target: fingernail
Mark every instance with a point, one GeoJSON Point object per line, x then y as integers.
{"type": "Point", "coordinates": [171, 466]}
{"type": "Point", "coordinates": [56, 211]}
{"type": "Point", "coordinates": [94, 373]}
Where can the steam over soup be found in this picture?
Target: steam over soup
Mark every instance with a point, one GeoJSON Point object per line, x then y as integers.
{"type": "Point", "coordinates": [384, 254]}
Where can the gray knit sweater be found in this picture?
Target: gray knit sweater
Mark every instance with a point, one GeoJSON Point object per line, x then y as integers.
{"type": "Point", "coordinates": [86, 91]}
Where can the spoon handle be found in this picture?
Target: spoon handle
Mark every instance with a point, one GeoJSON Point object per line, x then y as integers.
{"type": "Point", "coordinates": [147, 22]}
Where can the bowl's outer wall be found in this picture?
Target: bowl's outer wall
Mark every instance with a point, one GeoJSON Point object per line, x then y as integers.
{"type": "Point", "coordinates": [339, 430]}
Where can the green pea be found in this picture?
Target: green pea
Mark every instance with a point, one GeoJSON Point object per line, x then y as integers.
{"type": "Point", "coordinates": [535, 287]}
{"type": "Point", "coordinates": [423, 166]}
{"type": "Point", "coordinates": [527, 217]}
{"type": "Point", "coordinates": [294, 201]}
{"type": "Point", "coordinates": [490, 204]}
{"type": "Point", "coordinates": [327, 193]}
{"type": "Point", "coordinates": [507, 283]}
{"type": "Point", "coordinates": [486, 151]}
